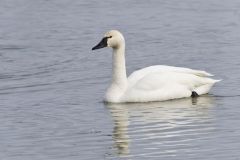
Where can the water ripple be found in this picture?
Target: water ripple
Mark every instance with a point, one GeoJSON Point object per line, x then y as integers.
{"type": "Point", "coordinates": [161, 128]}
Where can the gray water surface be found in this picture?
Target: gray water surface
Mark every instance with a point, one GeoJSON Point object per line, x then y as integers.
{"type": "Point", "coordinates": [52, 84]}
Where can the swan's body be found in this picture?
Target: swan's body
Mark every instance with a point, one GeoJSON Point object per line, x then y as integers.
{"type": "Point", "coordinates": [154, 83]}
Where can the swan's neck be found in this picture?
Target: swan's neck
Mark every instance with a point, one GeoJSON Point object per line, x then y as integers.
{"type": "Point", "coordinates": [119, 76]}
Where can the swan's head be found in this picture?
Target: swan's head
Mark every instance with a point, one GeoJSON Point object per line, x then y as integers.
{"type": "Point", "coordinates": [112, 39]}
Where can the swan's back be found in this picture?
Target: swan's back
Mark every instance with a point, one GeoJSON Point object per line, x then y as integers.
{"type": "Point", "coordinates": [135, 76]}
{"type": "Point", "coordinates": [159, 83]}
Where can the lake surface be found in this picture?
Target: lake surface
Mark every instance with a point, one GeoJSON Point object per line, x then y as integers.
{"type": "Point", "coordinates": [52, 84]}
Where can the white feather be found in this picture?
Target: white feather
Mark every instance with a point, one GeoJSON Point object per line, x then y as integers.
{"type": "Point", "coordinates": [159, 83]}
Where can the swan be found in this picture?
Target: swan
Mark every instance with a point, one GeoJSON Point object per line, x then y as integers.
{"type": "Point", "coordinates": [154, 83]}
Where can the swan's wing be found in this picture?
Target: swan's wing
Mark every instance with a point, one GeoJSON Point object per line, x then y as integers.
{"type": "Point", "coordinates": [160, 86]}
{"type": "Point", "coordinates": [139, 74]}
{"type": "Point", "coordinates": [165, 85]}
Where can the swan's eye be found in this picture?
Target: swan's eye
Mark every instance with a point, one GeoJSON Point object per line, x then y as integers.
{"type": "Point", "coordinates": [110, 37]}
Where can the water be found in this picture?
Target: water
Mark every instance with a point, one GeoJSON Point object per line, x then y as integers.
{"type": "Point", "coordinates": [52, 84]}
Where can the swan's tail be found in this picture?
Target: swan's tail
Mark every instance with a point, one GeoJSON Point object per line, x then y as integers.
{"type": "Point", "coordinates": [204, 89]}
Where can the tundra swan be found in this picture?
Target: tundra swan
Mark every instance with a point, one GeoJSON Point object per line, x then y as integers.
{"type": "Point", "coordinates": [154, 83]}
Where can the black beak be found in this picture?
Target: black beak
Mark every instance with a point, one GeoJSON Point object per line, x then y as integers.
{"type": "Point", "coordinates": [101, 44]}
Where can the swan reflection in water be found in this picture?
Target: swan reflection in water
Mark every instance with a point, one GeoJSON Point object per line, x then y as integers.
{"type": "Point", "coordinates": [160, 127]}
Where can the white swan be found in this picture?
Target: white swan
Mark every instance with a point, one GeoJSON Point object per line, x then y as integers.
{"type": "Point", "coordinates": [154, 83]}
